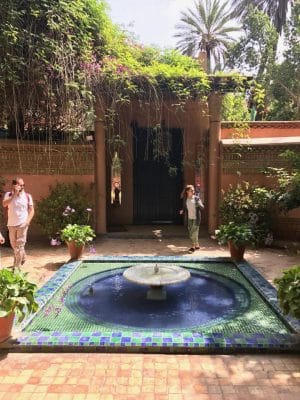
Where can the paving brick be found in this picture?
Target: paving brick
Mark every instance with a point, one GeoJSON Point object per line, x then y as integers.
{"type": "Point", "coordinates": [157, 376]}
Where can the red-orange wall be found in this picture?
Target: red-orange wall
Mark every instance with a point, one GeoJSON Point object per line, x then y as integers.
{"type": "Point", "coordinates": [38, 186]}
{"type": "Point", "coordinates": [194, 122]}
{"type": "Point", "coordinates": [263, 129]}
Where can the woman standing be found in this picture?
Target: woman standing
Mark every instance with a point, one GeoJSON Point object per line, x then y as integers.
{"type": "Point", "coordinates": [192, 206]}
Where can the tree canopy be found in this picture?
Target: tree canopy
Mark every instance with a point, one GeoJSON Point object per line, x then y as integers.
{"type": "Point", "coordinates": [276, 9]}
{"type": "Point", "coordinates": [285, 85]}
{"type": "Point", "coordinates": [207, 27]}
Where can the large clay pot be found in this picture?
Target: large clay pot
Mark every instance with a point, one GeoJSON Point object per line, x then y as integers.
{"type": "Point", "coordinates": [74, 250]}
{"type": "Point", "coordinates": [6, 324]}
{"type": "Point", "coordinates": [236, 253]}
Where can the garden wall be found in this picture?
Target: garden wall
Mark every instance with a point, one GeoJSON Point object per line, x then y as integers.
{"type": "Point", "coordinates": [44, 165]}
{"type": "Point", "coordinates": [261, 129]}
{"type": "Point", "coordinates": [245, 159]}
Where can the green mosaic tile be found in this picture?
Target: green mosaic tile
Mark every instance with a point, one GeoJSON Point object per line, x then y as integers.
{"type": "Point", "coordinates": [259, 318]}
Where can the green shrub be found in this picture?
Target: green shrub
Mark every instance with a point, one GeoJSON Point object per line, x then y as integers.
{"type": "Point", "coordinates": [252, 205]}
{"type": "Point", "coordinates": [288, 294]}
{"type": "Point", "coordinates": [66, 204]}
{"type": "Point", "coordinates": [16, 294]}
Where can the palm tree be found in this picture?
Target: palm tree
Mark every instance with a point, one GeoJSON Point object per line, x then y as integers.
{"type": "Point", "coordinates": [275, 9]}
{"type": "Point", "coordinates": [206, 29]}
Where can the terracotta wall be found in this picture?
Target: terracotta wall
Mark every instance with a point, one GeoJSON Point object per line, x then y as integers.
{"type": "Point", "coordinates": [42, 166]}
{"type": "Point", "coordinates": [38, 186]}
{"type": "Point", "coordinates": [194, 122]}
{"type": "Point", "coordinates": [263, 129]}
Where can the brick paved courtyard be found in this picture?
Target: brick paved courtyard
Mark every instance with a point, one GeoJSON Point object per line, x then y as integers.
{"type": "Point", "coordinates": [148, 377]}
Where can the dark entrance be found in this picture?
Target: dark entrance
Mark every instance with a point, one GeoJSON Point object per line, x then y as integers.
{"type": "Point", "coordinates": [157, 174]}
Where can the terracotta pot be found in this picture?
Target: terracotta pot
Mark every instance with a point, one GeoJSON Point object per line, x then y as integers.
{"type": "Point", "coordinates": [74, 250]}
{"type": "Point", "coordinates": [6, 324]}
{"type": "Point", "coordinates": [236, 253]}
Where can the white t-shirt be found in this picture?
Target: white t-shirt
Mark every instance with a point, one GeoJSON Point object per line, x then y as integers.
{"type": "Point", "coordinates": [18, 208]}
{"type": "Point", "coordinates": [191, 206]}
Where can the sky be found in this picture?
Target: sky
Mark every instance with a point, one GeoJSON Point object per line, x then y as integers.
{"type": "Point", "coordinates": [152, 21]}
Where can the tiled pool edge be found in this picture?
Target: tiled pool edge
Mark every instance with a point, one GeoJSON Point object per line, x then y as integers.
{"type": "Point", "coordinates": [157, 342]}
{"type": "Point", "coordinates": [267, 291]}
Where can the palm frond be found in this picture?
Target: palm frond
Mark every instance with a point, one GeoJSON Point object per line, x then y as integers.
{"type": "Point", "coordinates": [206, 27]}
{"type": "Point", "coordinates": [276, 10]}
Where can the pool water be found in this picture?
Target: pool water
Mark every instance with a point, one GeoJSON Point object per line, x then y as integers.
{"type": "Point", "coordinates": [204, 300]}
{"type": "Point", "coordinates": [217, 299]}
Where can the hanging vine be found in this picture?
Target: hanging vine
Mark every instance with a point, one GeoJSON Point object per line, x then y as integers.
{"type": "Point", "coordinates": [59, 56]}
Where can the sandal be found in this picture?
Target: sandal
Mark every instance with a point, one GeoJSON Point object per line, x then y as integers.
{"type": "Point", "coordinates": [191, 250]}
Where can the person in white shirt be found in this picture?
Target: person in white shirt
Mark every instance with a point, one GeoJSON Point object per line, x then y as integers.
{"type": "Point", "coordinates": [192, 206]}
{"type": "Point", "coordinates": [20, 213]}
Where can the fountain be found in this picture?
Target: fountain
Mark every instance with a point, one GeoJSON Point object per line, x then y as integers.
{"type": "Point", "coordinates": [156, 276]}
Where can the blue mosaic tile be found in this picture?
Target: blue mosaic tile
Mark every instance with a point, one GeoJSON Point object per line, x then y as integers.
{"type": "Point", "coordinates": [158, 341]}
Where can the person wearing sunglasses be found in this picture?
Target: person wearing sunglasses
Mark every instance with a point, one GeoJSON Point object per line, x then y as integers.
{"type": "Point", "coordinates": [192, 206]}
{"type": "Point", "coordinates": [20, 213]}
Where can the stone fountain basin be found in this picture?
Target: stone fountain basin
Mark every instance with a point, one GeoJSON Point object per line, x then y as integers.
{"type": "Point", "coordinates": [156, 274]}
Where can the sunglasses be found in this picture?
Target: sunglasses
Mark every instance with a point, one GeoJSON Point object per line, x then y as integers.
{"type": "Point", "coordinates": [16, 183]}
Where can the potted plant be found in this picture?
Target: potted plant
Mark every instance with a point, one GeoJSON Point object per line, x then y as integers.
{"type": "Point", "coordinates": [76, 236]}
{"type": "Point", "coordinates": [237, 236]}
{"type": "Point", "coordinates": [288, 286]}
{"type": "Point", "coordinates": [16, 299]}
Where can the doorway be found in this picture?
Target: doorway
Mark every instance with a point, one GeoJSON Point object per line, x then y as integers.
{"type": "Point", "coordinates": [157, 175]}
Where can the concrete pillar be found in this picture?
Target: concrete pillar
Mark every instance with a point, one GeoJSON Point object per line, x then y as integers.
{"type": "Point", "coordinates": [214, 102]}
{"type": "Point", "coordinates": [100, 169]}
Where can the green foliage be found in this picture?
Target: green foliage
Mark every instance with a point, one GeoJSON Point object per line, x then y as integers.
{"type": "Point", "coordinates": [285, 85]}
{"type": "Point", "coordinates": [238, 234]}
{"type": "Point", "coordinates": [134, 72]}
{"type": "Point", "coordinates": [276, 10]}
{"type": "Point", "coordinates": [43, 46]}
{"type": "Point", "coordinates": [288, 192]}
{"type": "Point", "coordinates": [234, 107]}
{"type": "Point", "coordinates": [55, 211]}
{"type": "Point", "coordinates": [289, 291]}
{"type": "Point", "coordinates": [252, 205]}
{"type": "Point", "coordinates": [57, 56]}
{"type": "Point", "coordinates": [257, 100]}
{"type": "Point", "coordinates": [255, 53]}
{"type": "Point", "coordinates": [256, 50]}
{"type": "Point", "coordinates": [206, 28]}
{"type": "Point", "coordinates": [16, 294]}
{"type": "Point", "coordinates": [81, 234]}
{"type": "Point", "coordinates": [134, 75]}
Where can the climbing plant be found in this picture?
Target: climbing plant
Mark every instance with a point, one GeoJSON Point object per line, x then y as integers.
{"type": "Point", "coordinates": [59, 57]}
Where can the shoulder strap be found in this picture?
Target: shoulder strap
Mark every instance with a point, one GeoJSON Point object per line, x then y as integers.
{"type": "Point", "coordinates": [28, 198]}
